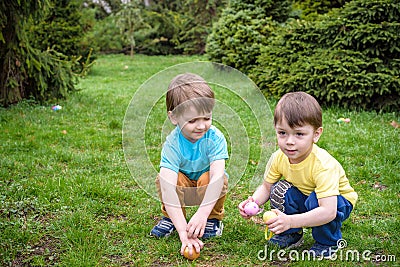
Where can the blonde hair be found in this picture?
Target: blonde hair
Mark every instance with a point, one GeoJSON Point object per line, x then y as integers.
{"type": "Point", "coordinates": [189, 90]}
{"type": "Point", "coordinates": [298, 109]}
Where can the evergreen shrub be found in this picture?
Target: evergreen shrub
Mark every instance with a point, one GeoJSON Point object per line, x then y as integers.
{"type": "Point", "coordinates": [161, 38]}
{"type": "Point", "coordinates": [178, 27]}
{"type": "Point", "coordinates": [243, 28]}
{"type": "Point", "coordinates": [105, 37]}
{"type": "Point", "coordinates": [348, 57]}
{"type": "Point", "coordinates": [310, 9]}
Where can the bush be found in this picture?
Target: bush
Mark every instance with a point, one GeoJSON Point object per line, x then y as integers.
{"type": "Point", "coordinates": [105, 36]}
{"type": "Point", "coordinates": [311, 8]}
{"type": "Point", "coordinates": [197, 23]}
{"type": "Point", "coordinates": [349, 57]}
{"type": "Point", "coordinates": [161, 38]}
{"type": "Point", "coordinates": [242, 29]}
{"type": "Point", "coordinates": [178, 27]}
{"type": "Point", "coordinates": [237, 38]}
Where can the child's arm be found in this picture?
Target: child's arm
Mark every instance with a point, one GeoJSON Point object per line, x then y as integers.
{"type": "Point", "coordinates": [260, 196]}
{"type": "Point", "coordinates": [197, 223]}
{"type": "Point", "coordinates": [321, 215]}
{"type": "Point", "coordinates": [168, 181]}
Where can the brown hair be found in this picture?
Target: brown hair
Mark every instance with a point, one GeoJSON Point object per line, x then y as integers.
{"type": "Point", "coordinates": [189, 90]}
{"type": "Point", "coordinates": [298, 108]}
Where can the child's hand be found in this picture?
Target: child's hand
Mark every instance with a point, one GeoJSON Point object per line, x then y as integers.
{"type": "Point", "coordinates": [193, 244]}
{"type": "Point", "coordinates": [196, 225]}
{"type": "Point", "coordinates": [241, 207]}
{"type": "Point", "coordinates": [279, 224]}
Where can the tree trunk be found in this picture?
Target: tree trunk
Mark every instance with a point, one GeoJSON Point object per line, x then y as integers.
{"type": "Point", "coordinates": [147, 3]}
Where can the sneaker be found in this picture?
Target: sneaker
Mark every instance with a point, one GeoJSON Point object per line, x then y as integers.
{"type": "Point", "coordinates": [319, 250]}
{"type": "Point", "coordinates": [164, 228]}
{"type": "Point", "coordinates": [213, 228]}
{"type": "Point", "coordinates": [292, 240]}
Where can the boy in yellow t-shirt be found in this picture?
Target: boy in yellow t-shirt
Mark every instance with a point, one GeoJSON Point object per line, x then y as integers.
{"type": "Point", "coordinates": [306, 186]}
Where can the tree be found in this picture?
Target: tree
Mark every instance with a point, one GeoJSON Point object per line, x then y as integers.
{"type": "Point", "coordinates": [129, 20]}
{"type": "Point", "coordinates": [62, 29]}
{"type": "Point", "coordinates": [25, 71]}
{"type": "Point", "coordinates": [169, 26]}
{"type": "Point", "coordinates": [197, 20]}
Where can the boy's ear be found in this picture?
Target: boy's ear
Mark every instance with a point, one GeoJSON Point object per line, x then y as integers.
{"type": "Point", "coordinates": [317, 134]}
{"type": "Point", "coordinates": [172, 118]}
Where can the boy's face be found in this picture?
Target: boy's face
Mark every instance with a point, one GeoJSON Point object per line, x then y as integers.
{"type": "Point", "coordinates": [193, 125]}
{"type": "Point", "coordinates": [296, 143]}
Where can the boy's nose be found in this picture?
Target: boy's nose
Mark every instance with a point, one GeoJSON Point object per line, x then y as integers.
{"type": "Point", "coordinates": [201, 125]}
{"type": "Point", "coordinates": [290, 140]}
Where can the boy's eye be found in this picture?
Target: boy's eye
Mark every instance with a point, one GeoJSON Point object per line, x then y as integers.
{"type": "Point", "coordinates": [281, 132]}
{"type": "Point", "coordinates": [299, 134]}
{"type": "Point", "coordinates": [194, 120]}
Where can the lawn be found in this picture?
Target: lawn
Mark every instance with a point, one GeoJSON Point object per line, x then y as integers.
{"type": "Point", "coordinates": [69, 198]}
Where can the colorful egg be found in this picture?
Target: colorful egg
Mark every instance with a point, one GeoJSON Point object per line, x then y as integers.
{"type": "Point", "coordinates": [251, 208]}
{"type": "Point", "coordinates": [269, 215]}
{"type": "Point", "coordinates": [194, 255]}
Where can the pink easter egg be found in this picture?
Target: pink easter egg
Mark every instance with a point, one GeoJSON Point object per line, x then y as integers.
{"type": "Point", "coordinates": [251, 208]}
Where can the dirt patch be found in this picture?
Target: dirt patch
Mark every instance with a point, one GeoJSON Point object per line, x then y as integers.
{"type": "Point", "coordinates": [47, 249]}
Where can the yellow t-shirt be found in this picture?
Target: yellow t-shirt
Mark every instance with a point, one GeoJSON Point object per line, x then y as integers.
{"type": "Point", "coordinates": [319, 172]}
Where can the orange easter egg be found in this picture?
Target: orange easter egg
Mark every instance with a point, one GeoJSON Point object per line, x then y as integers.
{"type": "Point", "coordinates": [194, 255]}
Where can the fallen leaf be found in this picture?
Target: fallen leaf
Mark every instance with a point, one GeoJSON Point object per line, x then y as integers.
{"type": "Point", "coordinates": [395, 124]}
{"type": "Point", "coordinates": [379, 186]}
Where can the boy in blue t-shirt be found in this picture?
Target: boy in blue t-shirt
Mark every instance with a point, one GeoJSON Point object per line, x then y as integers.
{"type": "Point", "coordinates": [192, 167]}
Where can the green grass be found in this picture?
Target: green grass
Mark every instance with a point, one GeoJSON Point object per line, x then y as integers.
{"type": "Point", "coordinates": [67, 197]}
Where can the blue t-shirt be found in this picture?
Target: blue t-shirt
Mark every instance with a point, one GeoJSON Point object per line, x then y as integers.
{"type": "Point", "coordinates": [193, 159]}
